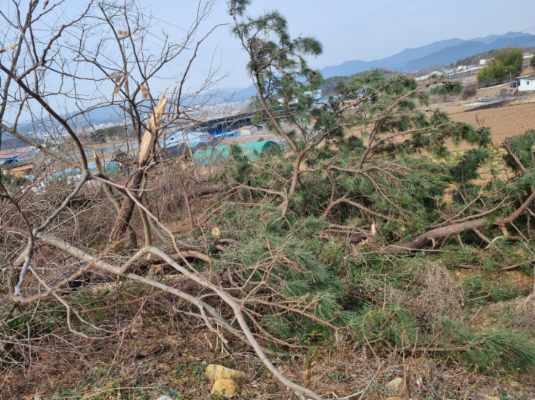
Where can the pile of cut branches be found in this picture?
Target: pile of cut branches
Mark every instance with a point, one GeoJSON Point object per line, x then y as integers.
{"type": "Point", "coordinates": [351, 234]}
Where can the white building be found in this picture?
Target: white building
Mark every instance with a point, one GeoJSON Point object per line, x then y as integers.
{"type": "Point", "coordinates": [434, 74]}
{"type": "Point", "coordinates": [526, 84]}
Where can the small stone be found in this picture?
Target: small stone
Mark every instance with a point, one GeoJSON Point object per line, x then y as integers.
{"type": "Point", "coordinates": [225, 387]}
{"type": "Point", "coordinates": [215, 372]}
{"type": "Point", "coordinates": [216, 232]}
{"type": "Point", "coordinates": [164, 398]}
{"type": "Point", "coordinates": [395, 386]}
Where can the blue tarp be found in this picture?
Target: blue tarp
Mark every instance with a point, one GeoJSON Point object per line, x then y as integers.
{"type": "Point", "coordinates": [10, 162]}
{"type": "Point", "coordinates": [191, 139]}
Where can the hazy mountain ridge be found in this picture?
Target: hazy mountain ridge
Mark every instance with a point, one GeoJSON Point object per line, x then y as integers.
{"type": "Point", "coordinates": [444, 52]}
{"type": "Point", "coordinates": [411, 60]}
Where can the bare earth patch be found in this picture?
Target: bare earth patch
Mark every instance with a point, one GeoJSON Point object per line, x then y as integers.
{"type": "Point", "coordinates": [507, 121]}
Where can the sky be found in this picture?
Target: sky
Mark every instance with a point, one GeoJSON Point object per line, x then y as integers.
{"type": "Point", "coordinates": [348, 29]}
{"type": "Point", "coordinates": [352, 29]}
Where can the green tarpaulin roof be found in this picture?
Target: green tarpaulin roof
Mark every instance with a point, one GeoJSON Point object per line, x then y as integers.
{"type": "Point", "coordinates": [221, 152]}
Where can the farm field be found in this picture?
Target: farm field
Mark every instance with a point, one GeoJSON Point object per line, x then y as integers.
{"type": "Point", "coordinates": [506, 121]}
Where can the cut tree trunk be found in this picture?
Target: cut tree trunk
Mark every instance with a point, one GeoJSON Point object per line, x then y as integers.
{"type": "Point", "coordinates": [146, 151]}
{"type": "Point", "coordinates": [122, 222]}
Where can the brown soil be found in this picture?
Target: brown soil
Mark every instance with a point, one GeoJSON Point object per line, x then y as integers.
{"type": "Point", "coordinates": [507, 121]}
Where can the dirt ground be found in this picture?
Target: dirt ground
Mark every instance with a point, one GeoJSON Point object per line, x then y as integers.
{"type": "Point", "coordinates": [506, 121]}
{"type": "Point", "coordinates": [156, 352]}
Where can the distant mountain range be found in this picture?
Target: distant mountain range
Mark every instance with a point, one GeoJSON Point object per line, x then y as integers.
{"type": "Point", "coordinates": [424, 58]}
{"type": "Point", "coordinates": [433, 55]}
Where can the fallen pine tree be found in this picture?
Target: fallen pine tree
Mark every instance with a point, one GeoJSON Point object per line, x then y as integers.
{"type": "Point", "coordinates": [352, 234]}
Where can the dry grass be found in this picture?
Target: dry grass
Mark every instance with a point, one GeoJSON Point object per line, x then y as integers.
{"type": "Point", "coordinates": [441, 294]}
{"type": "Point", "coordinates": [157, 352]}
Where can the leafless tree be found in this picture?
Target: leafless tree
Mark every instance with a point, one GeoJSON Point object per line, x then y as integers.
{"type": "Point", "coordinates": [102, 57]}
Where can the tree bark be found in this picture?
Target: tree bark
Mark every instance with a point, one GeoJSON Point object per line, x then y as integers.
{"type": "Point", "coordinates": [454, 229]}
{"type": "Point", "coordinates": [127, 209]}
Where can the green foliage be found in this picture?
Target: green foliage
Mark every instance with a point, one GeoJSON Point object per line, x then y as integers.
{"type": "Point", "coordinates": [390, 105]}
{"type": "Point", "coordinates": [277, 60]}
{"type": "Point", "coordinates": [339, 377]}
{"type": "Point", "coordinates": [45, 322]}
{"type": "Point", "coordinates": [284, 81]}
{"type": "Point", "coordinates": [480, 290]}
{"type": "Point", "coordinates": [394, 327]}
{"type": "Point", "coordinates": [467, 168]}
{"type": "Point", "coordinates": [373, 79]}
{"type": "Point", "coordinates": [488, 351]}
{"type": "Point", "coordinates": [238, 7]}
{"type": "Point", "coordinates": [378, 89]}
{"type": "Point", "coordinates": [241, 167]}
{"type": "Point", "coordinates": [103, 135]}
{"type": "Point", "coordinates": [532, 62]}
{"type": "Point", "coordinates": [307, 272]}
{"type": "Point", "coordinates": [387, 327]}
{"type": "Point", "coordinates": [506, 65]}
{"type": "Point", "coordinates": [303, 272]}
{"type": "Point", "coordinates": [300, 273]}
{"type": "Point", "coordinates": [477, 254]}
{"type": "Point", "coordinates": [467, 133]}
{"type": "Point", "coordinates": [331, 86]}
{"type": "Point", "coordinates": [523, 147]}
{"type": "Point", "coordinates": [447, 88]}
{"type": "Point", "coordinates": [349, 292]}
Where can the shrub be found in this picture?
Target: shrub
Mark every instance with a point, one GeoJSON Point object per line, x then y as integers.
{"type": "Point", "coordinates": [451, 88]}
{"type": "Point", "coordinates": [523, 147]}
{"type": "Point", "coordinates": [467, 168]}
{"type": "Point", "coordinates": [386, 327]}
{"type": "Point", "coordinates": [469, 91]}
{"type": "Point", "coordinates": [479, 290]}
{"type": "Point", "coordinates": [506, 65]}
{"type": "Point", "coordinates": [488, 351]}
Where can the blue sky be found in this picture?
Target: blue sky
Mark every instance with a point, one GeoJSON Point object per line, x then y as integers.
{"type": "Point", "coordinates": [348, 29]}
{"type": "Point", "coordinates": [355, 29]}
